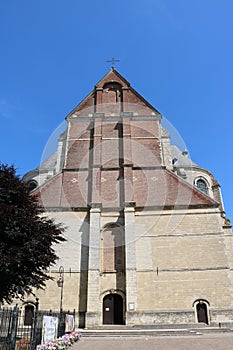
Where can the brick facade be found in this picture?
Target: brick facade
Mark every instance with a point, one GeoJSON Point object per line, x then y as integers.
{"type": "Point", "coordinates": [115, 183]}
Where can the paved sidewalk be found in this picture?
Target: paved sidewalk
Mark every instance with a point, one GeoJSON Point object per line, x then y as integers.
{"type": "Point", "coordinates": [198, 342]}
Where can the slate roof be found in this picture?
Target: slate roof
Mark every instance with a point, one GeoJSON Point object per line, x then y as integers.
{"type": "Point", "coordinates": [182, 160]}
{"type": "Point", "coordinates": [49, 163]}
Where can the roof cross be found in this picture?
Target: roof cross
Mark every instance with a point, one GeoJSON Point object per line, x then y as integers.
{"type": "Point", "coordinates": [113, 61]}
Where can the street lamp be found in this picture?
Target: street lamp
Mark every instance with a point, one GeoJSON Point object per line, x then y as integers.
{"type": "Point", "coordinates": [60, 283]}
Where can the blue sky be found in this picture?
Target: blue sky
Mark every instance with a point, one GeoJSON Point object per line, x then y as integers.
{"type": "Point", "coordinates": [177, 53]}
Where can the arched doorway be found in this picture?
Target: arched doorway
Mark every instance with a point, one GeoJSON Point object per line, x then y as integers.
{"type": "Point", "coordinates": [29, 315]}
{"type": "Point", "coordinates": [202, 312]}
{"type": "Point", "coordinates": [113, 309]}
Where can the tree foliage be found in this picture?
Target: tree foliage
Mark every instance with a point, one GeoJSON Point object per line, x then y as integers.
{"type": "Point", "coordinates": [27, 238]}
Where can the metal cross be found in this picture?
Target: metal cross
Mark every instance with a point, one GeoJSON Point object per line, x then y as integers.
{"type": "Point", "coordinates": [113, 61]}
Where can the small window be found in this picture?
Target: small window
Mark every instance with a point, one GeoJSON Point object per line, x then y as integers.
{"type": "Point", "coordinates": [202, 186]}
{"type": "Point", "coordinates": [32, 185]}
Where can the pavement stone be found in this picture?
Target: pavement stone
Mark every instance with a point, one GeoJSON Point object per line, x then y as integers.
{"type": "Point", "coordinates": [222, 341]}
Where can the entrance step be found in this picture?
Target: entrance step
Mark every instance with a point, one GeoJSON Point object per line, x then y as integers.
{"type": "Point", "coordinates": [131, 333]}
{"type": "Point", "coordinates": [158, 331]}
{"type": "Point", "coordinates": [151, 326]}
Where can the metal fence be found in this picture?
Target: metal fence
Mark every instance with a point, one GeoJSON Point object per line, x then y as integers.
{"type": "Point", "coordinates": [23, 331]}
{"type": "Point", "coordinates": [39, 324]}
{"type": "Point", "coordinates": [5, 327]}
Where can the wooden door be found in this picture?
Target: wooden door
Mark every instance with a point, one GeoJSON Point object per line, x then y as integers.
{"type": "Point", "coordinates": [202, 313]}
{"type": "Point", "coordinates": [118, 309]}
{"type": "Point", "coordinates": [113, 309]}
{"type": "Point", "coordinates": [108, 309]}
{"type": "Point", "coordinates": [29, 315]}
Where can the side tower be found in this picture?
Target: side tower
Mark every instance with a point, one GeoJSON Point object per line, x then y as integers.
{"type": "Point", "coordinates": [147, 237]}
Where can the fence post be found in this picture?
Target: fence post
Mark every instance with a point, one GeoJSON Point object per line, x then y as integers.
{"type": "Point", "coordinates": [61, 324]}
{"type": "Point", "coordinates": [14, 326]}
{"type": "Point", "coordinates": [34, 328]}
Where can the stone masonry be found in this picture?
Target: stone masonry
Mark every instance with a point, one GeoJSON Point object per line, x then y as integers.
{"type": "Point", "coordinates": [148, 241]}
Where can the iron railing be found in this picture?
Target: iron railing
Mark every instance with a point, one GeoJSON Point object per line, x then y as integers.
{"type": "Point", "coordinates": [17, 333]}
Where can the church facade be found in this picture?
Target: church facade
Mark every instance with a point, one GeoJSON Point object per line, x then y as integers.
{"type": "Point", "coordinates": [148, 241]}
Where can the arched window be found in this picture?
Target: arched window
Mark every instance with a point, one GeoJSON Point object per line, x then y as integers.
{"type": "Point", "coordinates": [114, 92]}
{"type": "Point", "coordinates": [202, 185]}
{"type": "Point", "coordinates": [32, 185]}
{"type": "Point", "coordinates": [28, 314]}
{"type": "Point", "coordinates": [201, 310]}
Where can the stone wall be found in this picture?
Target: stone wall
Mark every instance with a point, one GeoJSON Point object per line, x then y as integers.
{"type": "Point", "coordinates": [181, 258]}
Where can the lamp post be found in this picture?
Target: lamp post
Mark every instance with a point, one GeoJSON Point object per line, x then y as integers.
{"type": "Point", "coordinates": [60, 283]}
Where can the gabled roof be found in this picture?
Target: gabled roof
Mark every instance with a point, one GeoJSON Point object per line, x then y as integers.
{"type": "Point", "coordinates": [111, 76]}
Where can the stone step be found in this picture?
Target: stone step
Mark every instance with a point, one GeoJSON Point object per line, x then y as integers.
{"type": "Point", "coordinates": [152, 326]}
{"type": "Point", "coordinates": [172, 326]}
{"type": "Point", "coordinates": [131, 332]}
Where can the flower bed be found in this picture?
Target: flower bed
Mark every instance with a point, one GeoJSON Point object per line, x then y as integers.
{"type": "Point", "coordinates": [23, 344]}
{"type": "Point", "coordinates": [61, 343]}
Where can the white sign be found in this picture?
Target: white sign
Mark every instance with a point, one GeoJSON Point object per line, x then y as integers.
{"type": "Point", "coordinates": [131, 306]}
{"type": "Point", "coordinates": [49, 329]}
{"type": "Point", "coordinates": [69, 323]}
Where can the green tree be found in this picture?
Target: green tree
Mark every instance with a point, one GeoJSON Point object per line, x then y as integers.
{"type": "Point", "coordinates": [27, 238]}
